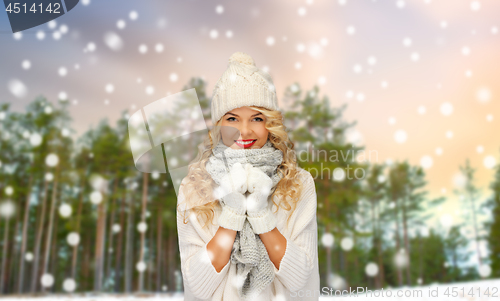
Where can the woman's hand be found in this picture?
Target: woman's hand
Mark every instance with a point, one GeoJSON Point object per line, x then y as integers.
{"type": "Point", "coordinates": [259, 215]}
{"type": "Point", "coordinates": [231, 192]}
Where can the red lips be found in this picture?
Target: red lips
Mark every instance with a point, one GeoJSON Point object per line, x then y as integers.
{"type": "Point", "coordinates": [247, 145]}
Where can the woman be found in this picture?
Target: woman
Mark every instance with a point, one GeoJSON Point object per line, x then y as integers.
{"type": "Point", "coordinates": [246, 212]}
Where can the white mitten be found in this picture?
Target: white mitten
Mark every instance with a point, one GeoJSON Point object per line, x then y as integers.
{"type": "Point", "coordinates": [231, 192]}
{"type": "Point", "coordinates": [259, 214]}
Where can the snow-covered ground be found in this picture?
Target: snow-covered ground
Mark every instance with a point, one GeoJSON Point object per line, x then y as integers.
{"type": "Point", "coordinates": [469, 291]}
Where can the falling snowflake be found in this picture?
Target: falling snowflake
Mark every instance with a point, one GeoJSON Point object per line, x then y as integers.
{"type": "Point", "coordinates": [65, 210]}
{"type": "Point", "coordinates": [120, 24]}
{"type": "Point", "coordinates": [113, 41]}
{"type": "Point", "coordinates": [142, 227]}
{"type": "Point", "coordinates": [213, 34]}
{"type": "Point", "coordinates": [73, 239]}
{"type": "Point", "coordinates": [400, 136]}
{"type": "Point", "coordinates": [143, 48]}
{"type": "Point", "coordinates": [26, 64]}
{"type": "Point", "coordinates": [109, 88]}
{"type": "Point", "coordinates": [52, 160]}
{"type": "Point", "coordinates": [347, 243]}
{"type": "Point", "coordinates": [357, 68]}
{"type": "Point", "coordinates": [339, 174]}
{"type": "Point", "coordinates": [475, 5]}
{"type": "Point", "coordinates": [173, 77]}
{"type": "Point", "coordinates": [426, 162]}
{"type": "Point", "coordinates": [302, 11]}
{"type": "Point", "coordinates": [96, 197]}
{"type": "Point", "coordinates": [489, 162]}
{"type": "Point", "coordinates": [446, 108]}
{"type": "Point", "coordinates": [415, 56]}
{"type": "Point", "coordinates": [140, 266]}
{"type": "Point", "coordinates": [351, 30]}
{"type": "Point", "coordinates": [159, 47]}
{"type": "Point", "coordinates": [69, 285]}
{"type": "Point", "coordinates": [47, 280]}
{"type": "Point", "coordinates": [483, 95]}
{"type": "Point", "coordinates": [371, 269]}
{"type": "Point", "coordinates": [327, 240]}
{"type": "Point", "coordinates": [407, 42]}
{"type": "Point", "coordinates": [133, 15]}
{"type": "Point", "coordinates": [270, 41]}
{"type": "Point", "coordinates": [63, 71]}
{"type": "Point", "coordinates": [17, 88]}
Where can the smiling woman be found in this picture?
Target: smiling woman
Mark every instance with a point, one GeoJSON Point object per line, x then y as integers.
{"type": "Point", "coordinates": [263, 245]}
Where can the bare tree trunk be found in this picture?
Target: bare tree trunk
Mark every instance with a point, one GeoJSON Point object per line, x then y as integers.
{"type": "Point", "coordinates": [143, 219]}
{"type": "Point", "coordinates": [379, 249]}
{"type": "Point", "coordinates": [159, 240]}
{"type": "Point", "coordinates": [151, 267]}
{"type": "Point", "coordinates": [4, 255]}
{"type": "Point", "coordinates": [407, 244]}
{"type": "Point", "coordinates": [99, 247]}
{"type": "Point", "coordinates": [171, 259]}
{"type": "Point", "coordinates": [129, 249]}
{"type": "Point", "coordinates": [86, 263]}
{"type": "Point", "coordinates": [12, 273]}
{"type": "Point", "coordinates": [110, 249]}
{"type": "Point", "coordinates": [77, 230]}
{"type": "Point", "coordinates": [421, 270]}
{"type": "Point", "coordinates": [175, 251]}
{"type": "Point", "coordinates": [36, 259]}
{"type": "Point", "coordinates": [398, 269]}
{"type": "Point", "coordinates": [24, 238]}
{"type": "Point", "coordinates": [375, 238]}
{"type": "Point", "coordinates": [118, 259]}
{"type": "Point", "coordinates": [51, 221]}
{"type": "Point", "coordinates": [168, 263]}
{"type": "Point", "coordinates": [54, 253]}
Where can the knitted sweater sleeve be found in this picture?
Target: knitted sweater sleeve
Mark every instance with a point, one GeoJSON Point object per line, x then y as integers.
{"type": "Point", "coordinates": [297, 264]}
{"type": "Point", "coordinates": [199, 275]}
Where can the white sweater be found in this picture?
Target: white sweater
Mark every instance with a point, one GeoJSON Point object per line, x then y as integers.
{"type": "Point", "coordinates": [298, 275]}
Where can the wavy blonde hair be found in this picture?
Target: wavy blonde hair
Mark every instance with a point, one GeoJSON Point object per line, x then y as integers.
{"type": "Point", "coordinates": [198, 184]}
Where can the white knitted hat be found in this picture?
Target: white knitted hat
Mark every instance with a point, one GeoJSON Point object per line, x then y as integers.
{"type": "Point", "coordinates": [242, 84]}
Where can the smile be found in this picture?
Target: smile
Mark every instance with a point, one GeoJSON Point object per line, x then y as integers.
{"type": "Point", "coordinates": [245, 143]}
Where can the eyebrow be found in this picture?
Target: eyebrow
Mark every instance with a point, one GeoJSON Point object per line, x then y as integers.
{"type": "Point", "coordinates": [239, 116]}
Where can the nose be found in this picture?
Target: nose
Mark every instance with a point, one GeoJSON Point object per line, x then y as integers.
{"type": "Point", "coordinates": [245, 130]}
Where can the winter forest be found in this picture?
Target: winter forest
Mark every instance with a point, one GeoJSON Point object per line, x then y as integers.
{"type": "Point", "coordinates": [77, 216]}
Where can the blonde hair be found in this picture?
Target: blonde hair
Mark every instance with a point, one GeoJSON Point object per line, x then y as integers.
{"type": "Point", "coordinates": [199, 185]}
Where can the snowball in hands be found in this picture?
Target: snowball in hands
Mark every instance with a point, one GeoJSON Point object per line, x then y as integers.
{"type": "Point", "coordinates": [259, 186]}
{"type": "Point", "coordinates": [231, 192]}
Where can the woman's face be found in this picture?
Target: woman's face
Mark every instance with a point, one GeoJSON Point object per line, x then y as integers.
{"type": "Point", "coordinates": [244, 128]}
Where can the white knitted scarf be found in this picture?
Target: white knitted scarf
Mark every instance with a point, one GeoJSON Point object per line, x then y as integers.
{"type": "Point", "coordinates": [253, 267]}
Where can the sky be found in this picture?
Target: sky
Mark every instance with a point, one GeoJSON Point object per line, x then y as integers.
{"type": "Point", "coordinates": [418, 76]}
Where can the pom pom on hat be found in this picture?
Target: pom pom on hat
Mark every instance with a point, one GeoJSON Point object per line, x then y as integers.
{"type": "Point", "coordinates": [242, 58]}
{"type": "Point", "coordinates": [242, 84]}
